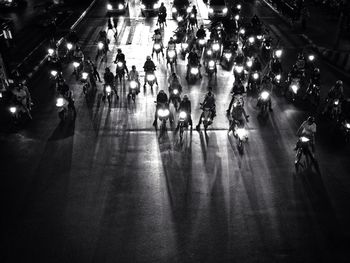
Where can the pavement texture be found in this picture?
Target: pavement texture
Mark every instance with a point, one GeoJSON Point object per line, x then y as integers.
{"type": "Point", "coordinates": [321, 34]}
{"type": "Point", "coordinates": [106, 187]}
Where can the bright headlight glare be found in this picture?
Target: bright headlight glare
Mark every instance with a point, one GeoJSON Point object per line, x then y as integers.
{"type": "Point", "coordinates": [228, 56]}
{"type": "Point", "coordinates": [69, 46]}
{"type": "Point", "coordinates": [133, 84]}
{"type": "Point", "coordinates": [194, 71]}
{"type": "Point", "coordinates": [84, 75]}
{"type": "Point", "coordinates": [255, 75]}
{"type": "Point", "coordinates": [100, 45]}
{"type": "Point", "coordinates": [59, 102]}
{"type": "Point", "coordinates": [249, 63]}
{"type": "Point", "coordinates": [13, 110]}
{"type": "Point", "coordinates": [265, 95]}
{"type": "Point", "coordinates": [295, 88]}
{"type": "Point", "coordinates": [150, 77]}
{"type": "Point", "coordinates": [120, 64]}
{"type": "Point", "coordinates": [239, 69]}
{"type": "Point", "coordinates": [241, 132]}
{"type": "Point", "coordinates": [109, 7]}
{"type": "Point", "coordinates": [120, 6]}
{"type": "Point", "coordinates": [304, 139]}
{"type": "Point", "coordinates": [108, 89]}
{"type": "Point", "coordinates": [225, 10]}
{"type": "Point", "coordinates": [76, 64]}
{"type": "Point", "coordinates": [174, 10]}
{"type": "Point", "coordinates": [211, 10]}
{"type": "Point", "coordinates": [54, 73]}
{"type": "Point", "coordinates": [211, 63]}
{"type": "Point", "coordinates": [251, 39]}
{"type": "Point", "coordinates": [163, 113]}
{"type": "Point", "coordinates": [216, 46]}
{"type": "Point", "coordinates": [50, 51]}
{"type": "Point", "coordinates": [183, 115]}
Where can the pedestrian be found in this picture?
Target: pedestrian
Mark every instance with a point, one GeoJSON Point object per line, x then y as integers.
{"type": "Point", "coordinates": [109, 25]}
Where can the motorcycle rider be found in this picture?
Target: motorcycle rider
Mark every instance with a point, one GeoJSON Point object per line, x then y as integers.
{"type": "Point", "coordinates": [109, 80]}
{"type": "Point", "coordinates": [194, 13]}
{"type": "Point", "coordinates": [134, 75]}
{"type": "Point", "coordinates": [22, 97]}
{"type": "Point", "coordinates": [172, 46]}
{"type": "Point", "coordinates": [301, 62]}
{"type": "Point", "coordinates": [335, 93]}
{"type": "Point", "coordinates": [308, 129]}
{"type": "Point", "coordinates": [275, 67]}
{"type": "Point", "coordinates": [238, 114]}
{"type": "Point", "coordinates": [209, 102]}
{"type": "Point", "coordinates": [149, 67]}
{"type": "Point", "coordinates": [162, 99]}
{"type": "Point", "coordinates": [314, 80]}
{"type": "Point", "coordinates": [162, 14]}
{"type": "Point", "coordinates": [158, 39]}
{"type": "Point", "coordinates": [78, 54]}
{"type": "Point", "coordinates": [185, 105]}
{"type": "Point", "coordinates": [174, 82]}
{"type": "Point", "coordinates": [193, 60]}
{"type": "Point", "coordinates": [294, 73]}
{"type": "Point", "coordinates": [121, 57]}
{"type": "Point", "coordinates": [266, 85]}
{"type": "Point", "coordinates": [256, 64]}
{"type": "Point", "coordinates": [237, 92]}
{"type": "Point", "coordinates": [201, 33]}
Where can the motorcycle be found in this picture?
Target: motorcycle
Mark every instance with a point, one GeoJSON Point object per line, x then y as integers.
{"type": "Point", "coordinates": [133, 90]}
{"type": "Point", "coordinates": [184, 49]}
{"type": "Point", "coordinates": [303, 148]}
{"type": "Point", "coordinates": [161, 19]}
{"type": "Point", "coordinates": [254, 81]}
{"type": "Point", "coordinates": [175, 98]}
{"type": "Point", "coordinates": [293, 89]}
{"type": "Point", "coordinates": [120, 70]}
{"type": "Point", "coordinates": [201, 43]}
{"type": "Point", "coordinates": [108, 94]}
{"type": "Point", "coordinates": [194, 74]}
{"type": "Point", "coordinates": [62, 108]}
{"type": "Point", "coordinates": [86, 84]}
{"type": "Point", "coordinates": [163, 113]}
{"type": "Point", "coordinates": [335, 111]}
{"type": "Point", "coordinates": [192, 21]}
{"type": "Point", "coordinates": [263, 102]}
{"type": "Point", "coordinates": [211, 69]}
{"type": "Point", "coordinates": [216, 47]}
{"type": "Point", "coordinates": [76, 69]}
{"type": "Point", "coordinates": [151, 78]}
{"type": "Point", "coordinates": [157, 48]}
{"type": "Point", "coordinates": [171, 58]}
{"type": "Point", "coordinates": [345, 129]}
{"type": "Point", "coordinates": [239, 132]}
{"type": "Point", "coordinates": [207, 118]}
{"type": "Point", "coordinates": [313, 95]}
{"type": "Point", "coordinates": [239, 72]}
{"type": "Point", "coordinates": [183, 123]}
{"type": "Point", "coordinates": [266, 49]}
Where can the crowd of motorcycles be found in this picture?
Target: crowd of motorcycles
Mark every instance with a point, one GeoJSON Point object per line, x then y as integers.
{"type": "Point", "coordinates": [244, 47]}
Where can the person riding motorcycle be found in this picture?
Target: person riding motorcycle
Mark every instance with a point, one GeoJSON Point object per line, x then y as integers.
{"type": "Point", "coordinates": [314, 80]}
{"type": "Point", "coordinates": [308, 129]}
{"type": "Point", "coordinates": [237, 91]}
{"type": "Point", "coordinates": [266, 85]}
{"type": "Point", "coordinates": [22, 98]}
{"type": "Point", "coordinates": [149, 67]}
{"type": "Point", "coordinates": [162, 13]}
{"type": "Point", "coordinates": [158, 39]}
{"type": "Point", "coordinates": [335, 93]}
{"type": "Point", "coordinates": [185, 105]}
{"type": "Point", "coordinates": [193, 15]}
{"type": "Point", "coordinates": [256, 64]}
{"type": "Point", "coordinates": [301, 62]}
{"type": "Point", "coordinates": [121, 58]}
{"type": "Point", "coordinates": [238, 114]}
{"type": "Point", "coordinates": [276, 66]}
{"type": "Point", "coordinates": [109, 80]}
{"type": "Point", "coordinates": [294, 73]}
{"type": "Point", "coordinates": [193, 60]}
{"type": "Point", "coordinates": [174, 82]}
{"type": "Point", "coordinates": [201, 33]}
{"type": "Point", "coordinates": [78, 54]}
{"type": "Point", "coordinates": [209, 102]}
{"type": "Point", "coordinates": [172, 46]}
{"type": "Point", "coordinates": [162, 99]}
{"type": "Point", "coordinates": [134, 75]}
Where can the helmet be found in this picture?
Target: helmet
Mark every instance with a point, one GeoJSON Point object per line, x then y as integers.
{"type": "Point", "coordinates": [316, 70]}
{"type": "Point", "coordinates": [148, 57]}
{"type": "Point", "coordinates": [171, 38]}
{"type": "Point", "coordinates": [133, 67]}
{"type": "Point", "coordinates": [161, 91]}
{"type": "Point", "coordinates": [210, 88]}
{"type": "Point", "coordinates": [185, 97]}
{"type": "Point", "coordinates": [202, 26]}
{"type": "Point", "coordinates": [162, 4]}
{"type": "Point", "coordinates": [339, 83]}
{"type": "Point", "coordinates": [174, 75]}
{"type": "Point", "coordinates": [311, 119]}
{"type": "Point", "coordinates": [119, 50]}
{"type": "Point", "coordinates": [107, 70]}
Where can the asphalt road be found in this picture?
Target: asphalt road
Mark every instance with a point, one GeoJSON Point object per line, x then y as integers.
{"type": "Point", "coordinates": [108, 188]}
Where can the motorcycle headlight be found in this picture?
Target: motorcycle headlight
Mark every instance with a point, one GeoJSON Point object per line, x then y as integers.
{"type": "Point", "coordinates": [176, 91]}
{"type": "Point", "coordinates": [184, 45]}
{"type": "Point", "coordinates": [295, 88]}
{"type": "Point", "coordinates": [239, 7]}
{"type": "Point", "coordinates": [54, 73]}
{"type": "Point", "coordinates": [216, 46]}
{"type": "Point", "coordinates": [201, 42]}
{"type": "Point", "coordinates": [347, 125]}
{"type": "Point", "coordinates": [311, 57]}
{"type": "Point", "coordinates": [237, 17]}
{"type": "Point", "coordinates": [59, 102]}
{"type": "Point", "coordinates": [108, 89]}
{"type": "Point", "coordinates": [210, 10]}
{"type": "Point", "coordinates": [171, 53]}
{"type": "Point", "coordinates": [209, 52]}
{"type": "Point", "coordinates": [264, 95]}
{"type": "Point", "coordinates": [192, 15]}
{"type": "Point", "coordinates": [304, 139]}
{"type": "Point", "coordinates": [225, 10]}
{"type": "Point", "coordinates": [242, 31]}
{"type": "Point", "coordinates": [249, 63]}
{"type": "Point", "coordinates": [157, 46]}
{"type": "Point", "coordinates": [109, 7]}
{"type": "Point", "coordinates": [336, 102]}
{"type": "Point", "coordinates": [150, 77]}
{"type": "Point", "coordinates": [255, 75]}
{"type": "Point", "coordinates": [13, 110]}
{"type": "Point", "coordinates": [143, 6]}
{"type": "Point", "coordinates": [194, 71]}
{"type": "Point", "coordinates": [100, 45]}
{"type": "Point", "coordinates": [163, 113]}
{"type": "Point", "coordinates": [76, 64]}
{"type": "Point", "coordinates": [156, 6]}
{"type": "Point", "coordinates": [174, 10]}
{"type": "Point", "coordinates": [84, 75]}
{"type": "Point", "coordinates": [211, 63]}
{"type": "Point", "coordinates": [228, 56]}
{"type": "Point", "coordinates": [188, 10]}
{"type": "Point", "coordinates": [133, 84]}
{"type": "Point", "coordinates": [241, 133]}
{"type": "Point", "coordinates": [120, 64]}
{"type": "Point", "coordinates": [251, 40]}
{"type": "Point", "coordinates": [259, 37]}
{"type": "Point", "coordinates": [120, 6]}
{"type": "Point", "coordinates": [69, 46]}
{"type": "Point", "coordinates": [183, 115]}
{"type": "Point", "coordinates": [50, 51]}
{"type": "Point", "coordinates": [278, 53]}
{"type": "Point", "coordinates": [278, 77]}
{"type": "Point", "coordinates": [179, 19]}
{"type": "Point", "coordinates": [239, 69]}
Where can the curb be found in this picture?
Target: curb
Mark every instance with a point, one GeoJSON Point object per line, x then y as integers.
{"type": "Point", "coordinates": [339, 59]}
{"type": "Point", "coordinates": [59, 42]}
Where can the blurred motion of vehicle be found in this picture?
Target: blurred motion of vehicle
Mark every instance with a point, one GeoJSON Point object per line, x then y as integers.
{"type": "Point", "coordinates": [149, 7]}
{"type": "Point", "coordinates": [117, 6]}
